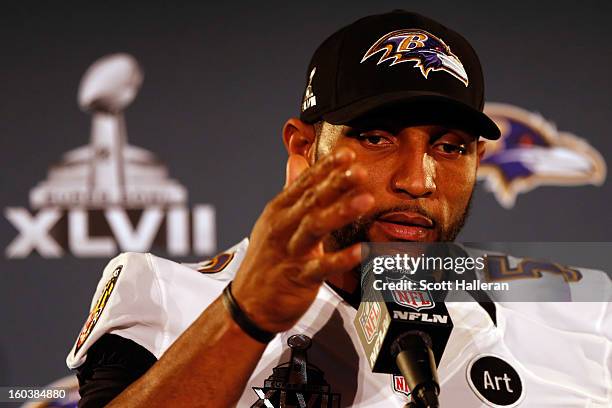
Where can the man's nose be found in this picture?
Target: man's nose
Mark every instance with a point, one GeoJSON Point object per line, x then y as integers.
{"type": "Point", "coordinates": [414, 175]}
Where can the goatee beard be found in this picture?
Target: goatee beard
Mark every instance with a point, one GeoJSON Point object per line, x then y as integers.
{"type": "Point", "coordinates": [358, 231]}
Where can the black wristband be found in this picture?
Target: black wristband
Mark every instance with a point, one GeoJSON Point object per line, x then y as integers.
{"type": "Point", "coordinates": [242, 320]}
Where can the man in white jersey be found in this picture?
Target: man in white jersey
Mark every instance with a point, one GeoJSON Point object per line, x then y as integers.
{"type": "Point", "coordinates": [386, 149]}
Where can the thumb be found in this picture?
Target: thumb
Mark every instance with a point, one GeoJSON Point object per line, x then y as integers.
{"type": "Point", "coordinates": [296, 165]}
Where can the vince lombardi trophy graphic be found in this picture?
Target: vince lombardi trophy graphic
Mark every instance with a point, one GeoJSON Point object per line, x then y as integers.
{"type": "Point", "coordinates": [107, 88]}
{"type": "Point", "coordinates": [109, 196]}
{"type": "Point", "coordinates": [109, 171]}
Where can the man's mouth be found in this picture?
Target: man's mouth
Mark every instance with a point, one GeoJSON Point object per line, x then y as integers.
{"type": "Point", "coordinates": [406, 226]}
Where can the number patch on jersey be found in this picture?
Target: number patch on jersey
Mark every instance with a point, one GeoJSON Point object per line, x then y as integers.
{"type": "Point", "coordinates": [498, 270]}
{"type": "Point", "coordinates": [95, 313]}
{"type": "Point", "coordinates": [216, 264]}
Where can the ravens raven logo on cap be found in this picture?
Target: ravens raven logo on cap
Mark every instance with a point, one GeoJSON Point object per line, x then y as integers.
{"type": "Point", "coordinates": [427, 51]}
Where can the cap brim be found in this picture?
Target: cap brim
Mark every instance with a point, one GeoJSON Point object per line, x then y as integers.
{"type": "Point", "coordinates": [421, 109]}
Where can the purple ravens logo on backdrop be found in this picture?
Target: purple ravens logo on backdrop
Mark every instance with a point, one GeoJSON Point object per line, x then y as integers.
{"type": "Point", "coordinates": [532, 152]}
{"type": "Point", "coordinates": [428, 52]}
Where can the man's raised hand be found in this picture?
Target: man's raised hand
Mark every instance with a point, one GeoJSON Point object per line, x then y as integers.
{"type": "Point", "coordinates": [285, 264]}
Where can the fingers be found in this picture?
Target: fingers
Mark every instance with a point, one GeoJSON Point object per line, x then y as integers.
{"type": "Point", "coordinates": [318, 269]}
{"type": "Point", "coordinates": [340, 159]}
{"type": "Point", "coordinates": [334, 186]}
{"type": "Point", "coordinates": [337, 184]}
{"type": "Point", "coordinates": [319, 222]}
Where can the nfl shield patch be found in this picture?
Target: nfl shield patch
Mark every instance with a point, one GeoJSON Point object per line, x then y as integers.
{"type": "Point", "coordinates": [399, 385]}
{"type": "Point", "coordinates": [369, 320]}
{"type": "Point", "coordinates": [415, 299]}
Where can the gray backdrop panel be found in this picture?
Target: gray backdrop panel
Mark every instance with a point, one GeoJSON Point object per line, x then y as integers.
{"type": "Point", "coordinates": [219, 82]}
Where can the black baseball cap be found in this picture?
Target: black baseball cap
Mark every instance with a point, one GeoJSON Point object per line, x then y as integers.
{"type": "Point", "coordinates": [398, 59]}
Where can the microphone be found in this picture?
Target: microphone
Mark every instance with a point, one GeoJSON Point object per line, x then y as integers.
{"type": "Point", "coordinates": [404, 332]}
{"type": "Point", "coordinates": [415, 359]}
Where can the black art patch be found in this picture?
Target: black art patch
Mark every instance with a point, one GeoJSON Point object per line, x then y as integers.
{"type": "Point", "coordinates": [495, 381]}
{"type": "Point", "coordinates": [296, 383]}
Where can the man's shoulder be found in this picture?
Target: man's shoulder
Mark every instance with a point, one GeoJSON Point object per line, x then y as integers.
{"type": "Point", "coordinates": [140, 267]}
{"type": "Point", "coordinates": [545, 292]}
{"type": "Point", "coordinates": [151, 300]}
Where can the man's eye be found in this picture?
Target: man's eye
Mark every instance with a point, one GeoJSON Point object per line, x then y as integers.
{"type": "Point", "coordinates": [375, 140]}
{"type": "Point", "coordinates": [450, 148]}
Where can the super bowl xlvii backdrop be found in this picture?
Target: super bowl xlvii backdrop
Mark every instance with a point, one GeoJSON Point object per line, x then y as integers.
{"type": "Point", "coordinates": [156, 127]}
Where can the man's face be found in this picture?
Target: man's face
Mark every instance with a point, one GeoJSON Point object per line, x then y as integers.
{"type": "Point", "coordinates": [422, 179]}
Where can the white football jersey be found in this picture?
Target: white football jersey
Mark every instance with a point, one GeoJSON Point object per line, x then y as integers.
{"type": "Point", "coordinates": [537, 355]}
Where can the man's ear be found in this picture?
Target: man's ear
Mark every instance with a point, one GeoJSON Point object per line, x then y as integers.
{"type": "Point", "coordinates": [299, 138]}
{"type": "Point", "coordinates": [480, 149]}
